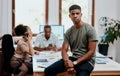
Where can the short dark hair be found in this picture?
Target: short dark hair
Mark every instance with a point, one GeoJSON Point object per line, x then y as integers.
{"type": "Point", "coordinates": [47, 26]}
{"type": "Point", "coordinates": [20, 30]}
{"type": "Point", "coordinates": [74, 7]}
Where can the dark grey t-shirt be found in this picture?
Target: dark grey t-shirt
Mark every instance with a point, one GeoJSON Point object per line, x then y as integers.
{"type": "Point", "coordinates": [78, 40]}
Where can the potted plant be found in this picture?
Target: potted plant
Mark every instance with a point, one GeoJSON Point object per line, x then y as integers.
{"type": "Point", "coordinates": [111, 33]}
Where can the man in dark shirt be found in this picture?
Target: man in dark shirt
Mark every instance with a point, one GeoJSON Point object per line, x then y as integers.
{"type": "Point", "coordinates": [81, 38]}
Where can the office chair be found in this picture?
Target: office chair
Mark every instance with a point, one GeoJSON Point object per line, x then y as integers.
{"type": "Point", "coordinates": [7, 53]}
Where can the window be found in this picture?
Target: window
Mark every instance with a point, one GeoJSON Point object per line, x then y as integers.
{"type": "Point", "coordinates": [30, 12]}
{"type": "Point", "coordinates": [35, 12]}
{"type": "Point", "coordinates": [65, 11]}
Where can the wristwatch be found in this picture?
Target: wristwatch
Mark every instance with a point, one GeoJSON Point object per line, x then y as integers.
{"type": "Point", "coordinates": [75, 62]}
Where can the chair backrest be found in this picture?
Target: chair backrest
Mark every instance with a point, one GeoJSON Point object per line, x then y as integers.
{"type": "Point", "coordinates": [7, 51]}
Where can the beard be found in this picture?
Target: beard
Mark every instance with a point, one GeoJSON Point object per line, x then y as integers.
{"type": "Point", "coordinates": [47, 37]}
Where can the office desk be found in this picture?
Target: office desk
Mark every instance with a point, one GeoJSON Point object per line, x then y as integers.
{"type": "Point", "coordinates": [110, 68]}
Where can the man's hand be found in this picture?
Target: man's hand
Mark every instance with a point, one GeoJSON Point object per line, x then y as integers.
{"type": "Point", "coordinates": [71, 70]}
{"type": "Point", "coordinates": [51, 48]}
{"type": "Point", "coordinates": [68, 64]}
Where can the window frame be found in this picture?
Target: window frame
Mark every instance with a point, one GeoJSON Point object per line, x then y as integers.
{"type": "Point", "coordinates": [13, 15]}
{"type": "Point", "coordinates": [92, 16]}
{"type": "Point", "coordinates": [47, 12]}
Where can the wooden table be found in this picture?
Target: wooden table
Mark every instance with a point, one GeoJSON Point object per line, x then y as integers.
{"type": "Point", "coordinates": [111, 68]}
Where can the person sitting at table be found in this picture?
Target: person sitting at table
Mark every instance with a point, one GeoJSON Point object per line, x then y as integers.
{"type": "Point", "coordinates": [23, 50]}
{"type": "Point", "coordinates": [46, 40]}
{"type": "Point", "coordinates": [18, 32]}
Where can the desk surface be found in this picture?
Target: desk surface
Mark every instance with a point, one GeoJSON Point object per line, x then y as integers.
{"type": "Point", "coordinates": [39, 66]}
{"type": "Point", "coordinates": [109, 67]}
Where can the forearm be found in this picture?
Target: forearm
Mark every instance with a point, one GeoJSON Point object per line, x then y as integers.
{"type": "Point", "coordinates": [64, 51]}
{"type": "Point", "coordinates": [30, 49]}
{"type": "Point", "coordinates": [65, 55]}
{"type": "Point", "coordinates": [39, 49]}
{"type": "Point", "coordinates": [68, 63]}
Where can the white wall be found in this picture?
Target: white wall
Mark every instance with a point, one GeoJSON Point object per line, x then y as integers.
{"type": "Point", "coordinates": [0, 17]}
{"type": "Point", "coordinates": [108, 8]}
{"type": "Point", "coordinates": [118, 10]}
{"type": "Point", "coordinates": [117, 57]}
{"type": "Point", "coordinates": [5, 18]}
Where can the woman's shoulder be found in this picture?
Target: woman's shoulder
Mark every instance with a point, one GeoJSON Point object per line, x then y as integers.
{"type": "Point", "coordinates": [21, 42]}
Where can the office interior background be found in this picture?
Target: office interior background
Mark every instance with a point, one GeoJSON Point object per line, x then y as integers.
{"type": "Point", "coordinates": [102, 8]}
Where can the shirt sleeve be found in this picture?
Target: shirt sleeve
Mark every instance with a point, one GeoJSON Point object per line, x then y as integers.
{"type": "Point", "coordinates": [23, 46]}
{"type": "Point", "coordinates": [37, 41]}
{"type": "Point", "coordinates": [67, 36]}
{"type": "Point", "coordinates": [56, 42]}
{"type": "Point", "coordinates": [92, 34]}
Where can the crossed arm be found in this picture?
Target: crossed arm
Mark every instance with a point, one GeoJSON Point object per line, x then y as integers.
{"type": "Point", "coordinates": [69, 64]}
